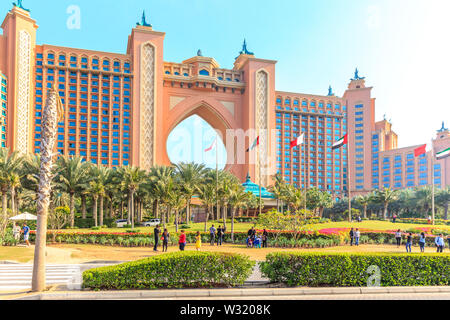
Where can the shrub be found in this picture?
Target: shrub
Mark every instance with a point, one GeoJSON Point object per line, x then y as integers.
{"type": "Point", "coordinates": [185, 227]}
{"type": "Point", "coordinates": [350, 270]}
{"type": "Point", "coordinates": [175, 270]}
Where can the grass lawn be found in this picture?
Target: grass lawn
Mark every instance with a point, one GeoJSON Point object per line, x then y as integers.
{"type": "Point", "coordinates": [244, 227]}
{"type": "Point", "coordinates": [75, 254]}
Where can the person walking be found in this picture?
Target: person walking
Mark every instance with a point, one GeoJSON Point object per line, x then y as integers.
{"type": "Point", "coordinates": [422, 242]}
{"type": "Point", "coordinates": [26, 234]}
{"type": "Point", "coordinates": [265, 237]}
{"type": "Point", "coordinates": [16, 232]}
{"type": "Point", "coordinates": [219, 236]}
{"type": "Point", "coordinates": [198, 241]}
{"type": "Point", "coordinates": [357, 237]}
{"type": "Point", "coordinates": [394, 218]}
{"type": "Point", "coordinates": [212, 235]}
{"type": "Point", "coordinates": [409, 242]}
{"type": "Point", "coordinates": [165, 240]}
{"type": "Point", "coordinates": [352, 236]}
{"type": "Point", "coordinates": [398, 238]}
{"type": "Point", "coordinates": [182, 241]}
{"type": "Point", "coordinates": [157, 232]}
{"type": "Point", "coordinates": [440, 243]}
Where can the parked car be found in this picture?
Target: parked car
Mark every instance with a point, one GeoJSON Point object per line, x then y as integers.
{"type": "Point", "coordinates": [121, 223]}
{"type": "Point", "coordinates": [152, 223]}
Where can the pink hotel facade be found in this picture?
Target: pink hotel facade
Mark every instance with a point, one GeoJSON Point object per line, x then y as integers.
{"type": "Point", "coordinates": [121, 108]}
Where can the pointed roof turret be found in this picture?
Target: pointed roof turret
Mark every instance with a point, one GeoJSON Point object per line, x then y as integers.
{"type": "Point", "coordinates": [330, 92]}
{"type": "Point", "coordinates": [245, 50]}
{"type": "Point", "coordinates": [143, 22]}
{"type": "Point", "coordinates": [20, 5]}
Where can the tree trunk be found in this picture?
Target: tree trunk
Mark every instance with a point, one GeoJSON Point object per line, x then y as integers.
{"type": "Point", "coordinates": [72, 209]}
{"type": "Point", "coordinates": [13, 201]}
{"type": "Point", "coordinates": [5, 205]}
{"type": "Point", "coordinates": [446, 210]}
{"type": "Point", "coordinates": [83, 206]}
{"type": "Point", "coordinates": [385, 211]}
{"type": "Point", "coordinates": [233, 213]}
{"type": "Point", "coordinates": [225, 214]}
{"type": "Point", "coordinates": [188, 212]}
{"type": "Point", "coordinates": [111, 209]}
{"type": "Point", "coordinates": [101, 210]}
{"type": "Point", "coordinates": [155, 209]}
{"type": "Point", "coordinates": [94, 211]}
{"type": "Point", "coordinates": [121, 210]}
{"type": "Point", "coordinates": [132, 209]}
{"type": "Point", "coordinates": [176, 220]}
{"type": "Point", "coordinates": [129, 209]}
{"type": "Point", "coordinates": [49, 127]}
{"type": "Point", "coordinates": [206, 218]}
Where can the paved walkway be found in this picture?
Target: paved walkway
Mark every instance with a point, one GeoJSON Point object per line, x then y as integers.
{"type": "Point", "coordinates": [406, 293]}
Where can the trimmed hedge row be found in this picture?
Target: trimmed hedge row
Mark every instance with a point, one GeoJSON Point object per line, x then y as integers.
{"type": "Point", "coordinates": [352, 270]}
{"type": "Point", "coordinates": [174, 270]}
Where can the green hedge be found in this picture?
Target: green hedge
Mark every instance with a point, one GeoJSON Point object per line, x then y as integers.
{"type": "Point", "coordinates": [174, 270]}
{"type": "Point", "coordinates": [350, 270]}
{"type": "Point", "coordinates": [90, 222]}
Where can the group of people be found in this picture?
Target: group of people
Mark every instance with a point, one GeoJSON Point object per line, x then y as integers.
{"type": "Point", "coordinates": [25, 230]}
{"type": "Point", "coordinates": [255, 240]}
{"type": "Point", "coordinates": [355, 236]}
{"type": "Point", "coordinates": [165, 237]}
{"type": "Point", "coordinates": [439, 241]}
{"type": "Point", "coordinates": [217, 235]}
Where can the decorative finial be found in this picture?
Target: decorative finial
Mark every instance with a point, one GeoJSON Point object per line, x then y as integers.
{"type": "Point", "coordinates": [143, 21]}
{"type": "Point", "coordinates": [248, 177]}
{"type": "Point", "coordinates": [443, 129]}
{"type": "Point", "coordinates": [199, 53]}
{"type": "Point", "coordinates": [20, 5]}
{"type": "Point", "coordinates": [245, 50]}
{"type": "Point", "coordinates": [357, 77]}
{"type": "Point", "coordinates": [330, 92]}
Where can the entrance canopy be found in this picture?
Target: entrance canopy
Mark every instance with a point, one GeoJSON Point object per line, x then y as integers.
{"type": "Point", "coordinates": [254, 188]}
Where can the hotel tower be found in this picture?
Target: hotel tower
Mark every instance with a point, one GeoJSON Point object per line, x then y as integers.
{"type": "Point", "coordinates": [121, 108]}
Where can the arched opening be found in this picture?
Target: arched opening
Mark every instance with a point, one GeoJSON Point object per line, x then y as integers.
{"type": "Point", "coordinates": [194, 140]}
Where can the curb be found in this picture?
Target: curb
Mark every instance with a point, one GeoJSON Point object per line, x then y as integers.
{"type": "Point", "coordinates": [227, 293]}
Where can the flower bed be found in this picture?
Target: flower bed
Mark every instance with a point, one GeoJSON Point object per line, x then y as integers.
{"type": "Point", "coordinates": [346, 270]}
{"type": "Point", "coordinates": [175, 270]}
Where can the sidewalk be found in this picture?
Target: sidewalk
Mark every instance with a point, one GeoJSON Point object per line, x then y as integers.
{"type": "Point", "coordinates": [219, 294]}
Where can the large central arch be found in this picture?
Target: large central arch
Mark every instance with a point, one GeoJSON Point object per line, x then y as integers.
{"type": "Point", "coordinates": [216, 114]}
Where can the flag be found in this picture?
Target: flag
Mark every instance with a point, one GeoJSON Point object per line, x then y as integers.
{"type": "Point", "coordinates": [443, 154]}
{"type": "Point", "coordinates": [341, 142]}
{"type": "Point", "coordinates": [297, 142]}
{"type": "Point", "coordinates": [420, 151]}
{"type": "Point", "coordinates": [255, 144]}
{"type": "Point", "coordinates": [212, 146]}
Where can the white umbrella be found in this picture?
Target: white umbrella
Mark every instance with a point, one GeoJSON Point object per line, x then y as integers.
{"type": "Point", "coordinates": [24, 217]}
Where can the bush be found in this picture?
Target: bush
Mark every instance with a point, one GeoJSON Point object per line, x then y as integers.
{"type": "Point", "coordinates": [89, 223]}
{"type": "Point", "coordinates": [175, 270]}
{"type": "Point", "coordinates": [185, 227]}
{"type": "Point", "coordinates": [346, 270]}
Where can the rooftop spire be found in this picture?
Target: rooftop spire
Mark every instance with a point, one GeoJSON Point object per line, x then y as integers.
{"type": "Point", "coordinates": [143, 21]}
{"type": "Point", "coordinates": [443, 129]}
{"type": "Point", "coordinates": [357, 77]}
{"type": "Point", "coordinates": [330, 92]}
{"type": "Point", "coordinates": [245, 50]}
{"type": "Point", "coordinates": [20, 5]}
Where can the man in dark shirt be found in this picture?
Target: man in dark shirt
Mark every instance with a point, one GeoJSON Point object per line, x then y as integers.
{"type": "Point", "coordinates": [219, 236]}
{"type": "Point", "coordinates": [352, 236]}
{"type": "Point", "coordinates": [157, 231]}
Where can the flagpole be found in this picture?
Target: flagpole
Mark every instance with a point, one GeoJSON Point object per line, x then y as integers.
{"type": "Point", "coordinates": [433, 210]}
{"type": "Point", "coordinates": [304, 172]}
{"type": "Point", "coordinates": [349, 182]}
{"type": "Point", "coordinates": [260, 178]}
{"type": "Point", "coordinates": [217, 178]}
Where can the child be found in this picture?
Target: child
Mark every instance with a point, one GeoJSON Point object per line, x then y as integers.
{"type": "Point", "coordinates": [249, 242]}
{"type": "Point", "coordinates": [182, 241]}
{"type": "Point", "coordinates": [165, 240]}
{"type": "Point", "coordinates": [198, 243]}
{"type": "Point", "coordinates": [258, 242]}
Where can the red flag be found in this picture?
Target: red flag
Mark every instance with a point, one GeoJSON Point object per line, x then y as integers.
{"type": "Point", "coordinates": [299, 141]}
{"type": "Point", "coordinates": [420, 151]}
{"type": "Point", "coordinates": [212, 146]}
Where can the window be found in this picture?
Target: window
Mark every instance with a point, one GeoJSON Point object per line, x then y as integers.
{"type": "Point", "coordinates": [204, 72]}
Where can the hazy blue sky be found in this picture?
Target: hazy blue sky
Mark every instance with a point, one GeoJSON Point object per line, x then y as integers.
{"type": "Point", "coordinates": [400, 46]}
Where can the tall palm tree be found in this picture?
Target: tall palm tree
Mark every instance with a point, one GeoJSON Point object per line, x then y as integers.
{"type": "Point", "coordinates": [10, 165]}
{"type": "Point", "coordinates": [208, 198]}
{"type": "Point", "coordinates": [160, 179]}
{"type": "Point", "coordinates": [443, 198]}
{"type": "Point", "coordinates": [52, 112]}
{"type": "Point", "coordinates": [73, 178]}
{"type": "Point", "coordinates": [423, 198]}
{"type": "Point", "coordinates": [190, 176]}
{"type": "Point", "coordinates": [177, 202]}
{"type": "Point", "coordinates": [131, 179]}
{"type": "Point", "coordinates": [385, 196]}
{"type": "Point", "coordinates": [325, 202]}
{"type": "Point", "coordinates": [101, 177]}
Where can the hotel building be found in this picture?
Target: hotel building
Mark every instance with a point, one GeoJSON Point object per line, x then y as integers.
{"type": "Point", "coordinates": [120, 109]}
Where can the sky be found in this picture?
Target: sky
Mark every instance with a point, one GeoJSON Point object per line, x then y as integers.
{"type": "Point", "coordinates": [400, 46]}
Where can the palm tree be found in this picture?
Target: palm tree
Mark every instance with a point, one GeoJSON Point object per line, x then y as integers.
{"type": "Point", "coordinates": [443, 198]}
{"type": "Point", "coordinates": [364, 201]}
{"type": "Point", "coordinates": [9, 167]}
{"type": "Point", "coordinates": [423, 197]}
{"type": "Point", "coordinates": [325, 202]}
{"type": "Point", "coordinates": [131, 179]}
{"type": "Point", "coordinates": [95, 190]}
{"type": "Point", "coordinates": [101, 176]}
{"type": "Point", "coordinates": [190, 176]}
{"type": "Point", "coordinates": [161, 178]}
{"type": "Point", "coordinates": [385, 196]}
{"type": "Point", "coordinates": [177, 202]}
{"type": "Point", "coordinates": [208, 198]}
{"type": "Point", "coordinates": [52, 112]}
{"type": "Point", "coordinates": [238, 198]}
{"type": "Point", "coordinates": [73, 178]}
